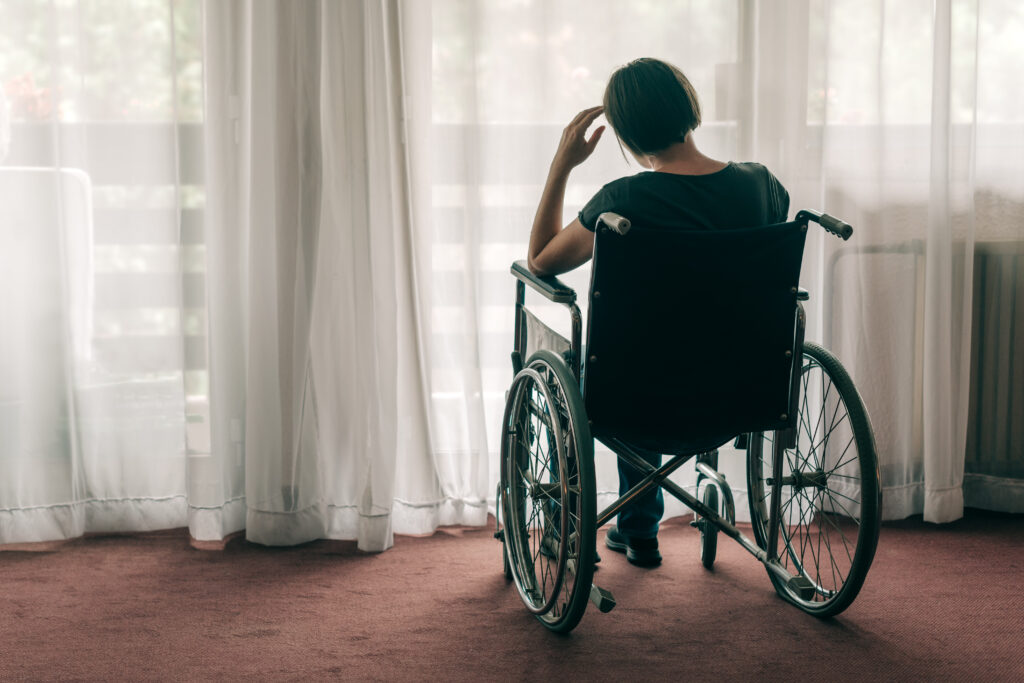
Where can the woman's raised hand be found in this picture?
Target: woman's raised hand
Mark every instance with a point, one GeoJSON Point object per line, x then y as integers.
{"type": "Point", "coordinates": [575, 148]}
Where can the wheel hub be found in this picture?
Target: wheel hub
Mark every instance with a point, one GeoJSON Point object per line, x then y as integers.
{"type": "Point", "coordinates": [799, 480]}
{"type": "Point", "coordinates": [816, 479]}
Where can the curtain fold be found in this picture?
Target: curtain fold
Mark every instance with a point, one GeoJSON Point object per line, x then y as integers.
{"type": "Point", "coordinates": [947, 289]}
{"type": "Point", "coordinates": [312, 222]}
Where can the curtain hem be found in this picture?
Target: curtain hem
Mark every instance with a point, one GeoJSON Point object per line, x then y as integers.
{"type": "Point", "coordinates": [216, 524]}
{"type": "Point", "coordinates": [69, 520]}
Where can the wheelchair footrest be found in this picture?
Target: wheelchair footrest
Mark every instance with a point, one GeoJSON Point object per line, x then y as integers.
{"type": "Point", "coordinates": [602, 598]}
{"type": "Point", "coordinates": [802, 586]}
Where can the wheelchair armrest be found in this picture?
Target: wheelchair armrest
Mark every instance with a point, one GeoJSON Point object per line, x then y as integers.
{"type": "Point", "coordinates": [549, 286]}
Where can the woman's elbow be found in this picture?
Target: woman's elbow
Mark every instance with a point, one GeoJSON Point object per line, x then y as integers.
{"type": "Point", "coordinates": [535, 260]}
{"type": "Point", "coordinates": [534, 267]}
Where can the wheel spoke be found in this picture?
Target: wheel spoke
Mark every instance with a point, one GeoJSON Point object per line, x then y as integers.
{"type": "Point", "coordinates": [842, 495]}
{"type": "Point", "coordinates": [813, 447]}
{"type": "Point", "coordinates": [825, 438]}
{"type": "Point", "coordinates": [838, 575]}
{"type": "Point", "coordinates": [828, 549]}
{"type": "Point", "coordinates": [803, 526]}
{"type": "Point", "coordinates": [804, 538]}
{"type": "Point", "coordinates": [841, 536]}
{"type": "Point", "coordinates": [855, 457]}
{"type": "Point", "coordinates": [824, 402]}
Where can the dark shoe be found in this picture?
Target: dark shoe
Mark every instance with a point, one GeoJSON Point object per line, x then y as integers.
{"type": "Point", "coordinates": [643, 552]}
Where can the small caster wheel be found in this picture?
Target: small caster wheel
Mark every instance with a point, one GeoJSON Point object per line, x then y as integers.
{"type": "Point", "coordinates": [708, 531]}
{"type": "Point", "coordinates": [499, 534]}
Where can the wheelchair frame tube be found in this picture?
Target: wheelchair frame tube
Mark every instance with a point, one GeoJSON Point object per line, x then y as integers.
{"type": "Point", "coordinates": [654, 477]}
{"type": "Point", "coordinates": [715, 476]}
{"type": "Point", "coordinates": [575, 343]}
{"type": "Point", "coordinates": [767, 558]}
{"type": "Point", "coordinates": [786, 438]}
{"type": "Point", "coordinates": [778, 453]}
{"type": "Point", "coordinates": [520, 340]}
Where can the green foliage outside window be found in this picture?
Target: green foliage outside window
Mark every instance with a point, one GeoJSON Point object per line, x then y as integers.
{"type": "Point", "coordinates": [102, 60]}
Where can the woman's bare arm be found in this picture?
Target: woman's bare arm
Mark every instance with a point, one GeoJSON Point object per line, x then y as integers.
{"type": "Point", "coordinates": [570, 248]}
{"type": "Point", "coordinates": [554, 250]}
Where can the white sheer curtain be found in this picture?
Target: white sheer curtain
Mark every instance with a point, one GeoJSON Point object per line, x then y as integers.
{"type": "Point", "coordinates": [96, 313]}
{"type": "Point", "coordinates": [921, 144]}
{"type": "Point", "coordinates": [900, 117]}
{"type": "Point", "coordinates": [286, 308]}
{"type": "Point", "coordinates": [319, 378]}
{"type": "Point", "coordinates": [229, 334]}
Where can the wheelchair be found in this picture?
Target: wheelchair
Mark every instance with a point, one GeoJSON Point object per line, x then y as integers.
{"type": "Point", "coordinates": [694, 339]}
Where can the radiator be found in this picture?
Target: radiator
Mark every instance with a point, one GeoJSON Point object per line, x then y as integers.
{"type": "Point", "coordinates": [994, 455]}
{"type": "Point", "coordinates": [995, 431]}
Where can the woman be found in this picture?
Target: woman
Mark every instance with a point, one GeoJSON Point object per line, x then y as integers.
{"type": "Point", "coordinates": [653, 109]}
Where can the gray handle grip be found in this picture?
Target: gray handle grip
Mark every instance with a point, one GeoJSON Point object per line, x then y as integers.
{"type": "Point", "coordinates": [613, 221]}
{"type": "Point", "coordinates": [830, 223]}
{"type": "Point", "coordinates": [836, 226]}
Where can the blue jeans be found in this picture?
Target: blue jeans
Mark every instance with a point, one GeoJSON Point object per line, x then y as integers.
{"type": "Point", "coordinates": [640, 518]}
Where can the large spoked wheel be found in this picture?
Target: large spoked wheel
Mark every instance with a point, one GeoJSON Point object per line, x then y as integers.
{"type": "Point", "coordinates": [830, 499]}
{"type": "Point", "coordinates": [548, 492]}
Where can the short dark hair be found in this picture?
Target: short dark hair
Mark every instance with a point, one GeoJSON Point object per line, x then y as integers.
{"type": "Point", "coordinates": [650, 104]}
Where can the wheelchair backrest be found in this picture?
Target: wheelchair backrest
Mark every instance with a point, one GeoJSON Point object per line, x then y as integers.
{"type": "Point", "coordinates": [691, 334]}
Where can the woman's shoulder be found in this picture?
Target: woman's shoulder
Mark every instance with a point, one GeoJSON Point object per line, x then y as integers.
{"type": "Point", "coordinates": [620, 189]}
{"type": "Point", "coordinates": [756, 170]}
{"type": "Point", "coordinates": [625, 182]}
{"type": "Point", "coordinates": [613, 196]}
{"type": "Point", "coordinates": [757, 174]}
{"type": "Point", "coordinates": [752, 168]}
{"type": "Point", "coordinates": [644, 179]}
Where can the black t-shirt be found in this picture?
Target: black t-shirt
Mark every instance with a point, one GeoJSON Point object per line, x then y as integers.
{"type": "Point", "coordinates": [741, 195]}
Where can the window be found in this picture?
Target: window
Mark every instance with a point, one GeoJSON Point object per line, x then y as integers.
{"type": "Point", "coordinates": [114, 90]}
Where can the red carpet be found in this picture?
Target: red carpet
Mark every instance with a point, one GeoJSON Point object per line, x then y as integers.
{"type": "Point", "coordinates": [941, 603]}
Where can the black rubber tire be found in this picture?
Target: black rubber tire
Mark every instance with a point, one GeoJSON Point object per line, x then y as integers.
{"type": "Point", "coordinates": [498, 512]}
{"type": "Point", "coordinates": [795, 549]}
{"type": "Point", "coordinates": [559, 605]}
{"type": "Point", "coordinates": [708, 531]}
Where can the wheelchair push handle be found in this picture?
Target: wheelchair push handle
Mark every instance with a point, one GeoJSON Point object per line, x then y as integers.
{"type": "Point", "coordinates": [614, 222]}
{"type": "Point", "coordinates": [830, 223]}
